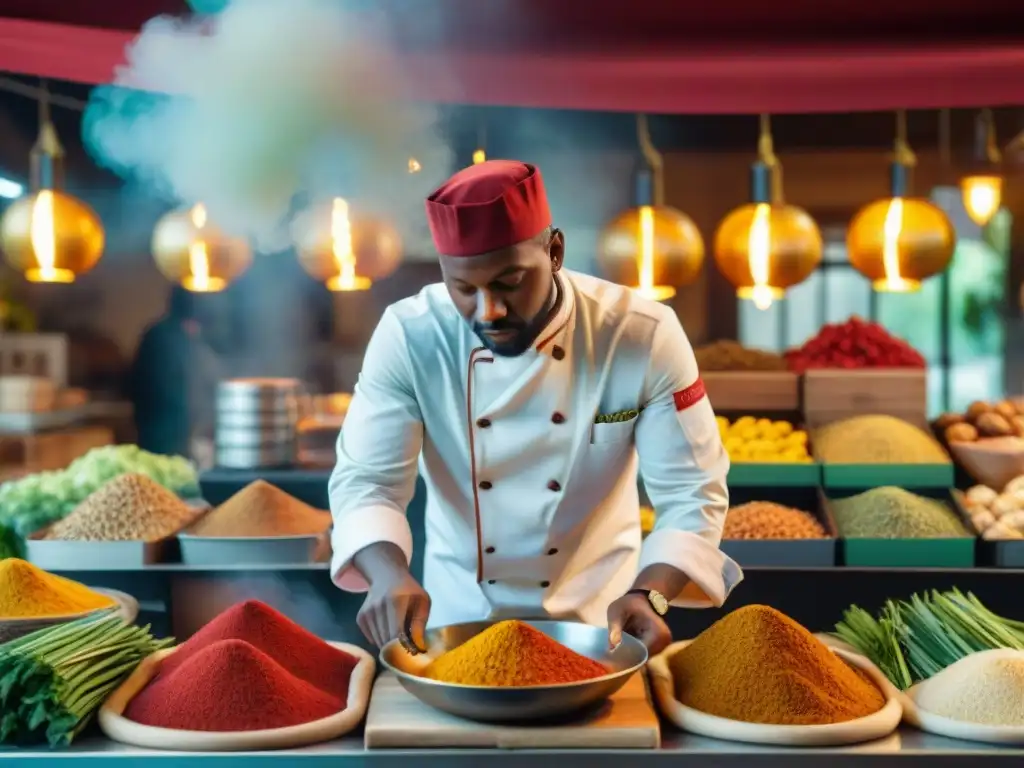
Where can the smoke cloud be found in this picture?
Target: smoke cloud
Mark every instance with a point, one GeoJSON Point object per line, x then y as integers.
{"type": "Point", "coordinates": [267, 107]}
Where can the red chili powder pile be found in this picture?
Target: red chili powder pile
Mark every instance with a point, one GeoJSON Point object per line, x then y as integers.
{"type": "Point", "coordinates": [300, 652]}
{"type": "Point", "coordinates": [230, 685]}
{"type": "Point", "coordinates": [250, 668]}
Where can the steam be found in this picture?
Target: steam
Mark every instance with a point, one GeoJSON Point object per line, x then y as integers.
{"type": "Point", "coordinates": [266, 107]}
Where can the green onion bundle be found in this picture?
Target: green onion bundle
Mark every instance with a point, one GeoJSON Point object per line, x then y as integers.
{"type": "Point", "coordinates": [913, 640]}
{"type": "Point", "coordinates": [53, 680]}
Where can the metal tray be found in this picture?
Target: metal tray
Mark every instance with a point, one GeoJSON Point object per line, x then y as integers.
{"type": "Point", "coordinates": [781, 553]}
{"type": "Point", "coordinates": [215, 551]}
{"type": "Point", "coordinates": [63, 555]}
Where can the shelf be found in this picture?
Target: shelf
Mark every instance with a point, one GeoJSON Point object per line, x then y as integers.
{"type": "Point", "coordinates": [905, 748]}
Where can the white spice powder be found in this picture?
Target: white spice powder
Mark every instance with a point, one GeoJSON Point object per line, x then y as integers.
{"type": "Point", "coordinates": [985, 688]}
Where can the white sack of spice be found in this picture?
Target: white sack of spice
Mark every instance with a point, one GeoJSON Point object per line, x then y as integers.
{"type": "Point", "coordinates": [276, 102]}
{"type": "Point", "coordinates": [985, 688]}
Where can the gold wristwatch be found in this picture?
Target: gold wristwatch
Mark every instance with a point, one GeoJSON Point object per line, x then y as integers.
{"type": "Point", "coordinates": [657, 600]}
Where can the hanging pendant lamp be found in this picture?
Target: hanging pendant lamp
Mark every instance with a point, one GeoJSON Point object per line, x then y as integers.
{"type": "Point", "coordinates": [652, 248]}
{"type": "Point", "coordinates": [345, 251]}
{"type": "Point", "coordinates": [48, 235]}
{"type": "Point", "coordinates": [191, 251]}
{"type": "Point", "coordinates": [982, 190]}
{"type": "Point", "coordinates": [767, 245]}
{"type": "Point", "coordinates": [898, 241]}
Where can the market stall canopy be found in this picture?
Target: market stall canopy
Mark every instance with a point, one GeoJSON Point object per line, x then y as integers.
{"type": "Point", "coordinates": [648, 55]}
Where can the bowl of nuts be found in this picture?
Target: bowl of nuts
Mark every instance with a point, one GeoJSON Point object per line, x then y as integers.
{"type": "Point", "coordinates": [987, 440]}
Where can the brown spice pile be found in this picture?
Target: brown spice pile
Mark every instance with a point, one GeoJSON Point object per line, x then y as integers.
{"type": "Point", "coordinates": [767, 520]}
{"type": "Point", "coordinates": [262, 510]}
{"type": "Point", "coordinates": [729, 355]}
{"type": "Point", "coordinates": [128, 508]}
{"type": "Point", "coordinates": [757, 665]}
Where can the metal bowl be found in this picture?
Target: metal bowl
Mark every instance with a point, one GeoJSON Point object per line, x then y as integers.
{"type": "Point", "coordinates": [517, 704]}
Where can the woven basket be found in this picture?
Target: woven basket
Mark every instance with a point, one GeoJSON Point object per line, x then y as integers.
{"type": "Point", "coordinates": [12, 629]}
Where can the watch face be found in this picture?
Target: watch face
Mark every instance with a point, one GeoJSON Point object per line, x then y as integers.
{"type": "Point", "coordinates": [658, 602]}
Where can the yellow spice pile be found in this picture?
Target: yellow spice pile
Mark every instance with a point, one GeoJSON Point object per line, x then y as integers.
{"type": "Point", "coordinates": [29, 592]}
{"type": "Point", "coordinates": [128, 508]}
{"type": "Point", "coordinates": [876, 440]}
{"type": "Point", "coordinates": [262, 510]}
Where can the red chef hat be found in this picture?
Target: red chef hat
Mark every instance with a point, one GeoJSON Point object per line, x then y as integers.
{"type": "Point", "coordinates": [488, 206]}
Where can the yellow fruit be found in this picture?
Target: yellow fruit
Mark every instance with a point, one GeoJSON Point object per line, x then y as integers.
{"type": "Point", "coordinates": [745, 421]}
{"type": "Point", "coordinates": [722, 422]}
{"type": "Point", "coordinates": [799, 437]}
{"type": "Point", "coordinates": [782, 428]}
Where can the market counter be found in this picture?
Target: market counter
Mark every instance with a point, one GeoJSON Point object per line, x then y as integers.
{"type": "Point", "coordinates": [906, 748]}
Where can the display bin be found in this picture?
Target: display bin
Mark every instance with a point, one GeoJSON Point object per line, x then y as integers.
{"type": "Point", "coordinates": [765, 475]}
{"type": "Point", "coordinates": [1008, 553]}
{"type": "Point", "coordinates": [865, 476]}
{"type": "Point", "coordinates": [784, 553]}
{"type": "Point", "coordinates": [956, 552]}
{"type": "Point", "coordinates": [64, 555]}
{"type": "Point", "coordinates": [753, 391]}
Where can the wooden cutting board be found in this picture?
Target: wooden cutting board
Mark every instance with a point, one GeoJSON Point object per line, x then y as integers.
{"type": "Point", "coordinates": [398, 720]}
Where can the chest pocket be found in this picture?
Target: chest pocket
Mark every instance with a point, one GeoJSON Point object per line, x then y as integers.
{"type": "Point", "coordinates": [614, 433]}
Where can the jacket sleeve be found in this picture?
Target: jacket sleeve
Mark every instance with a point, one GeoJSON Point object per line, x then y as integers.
{"type": "Point", "coordinates": [378, 450]}
{"type": "Point", "coordinates": [684, 467]}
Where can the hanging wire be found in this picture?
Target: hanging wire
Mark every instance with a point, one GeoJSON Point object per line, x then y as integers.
{"type": "Point", "coordinates": [990, 149]}
{"type": "Point", "coordinates": [653, 158]}
{"type": "Point", "coordinates": [902, 153]}
{"type": "Point", "coordinates": [766, 155]}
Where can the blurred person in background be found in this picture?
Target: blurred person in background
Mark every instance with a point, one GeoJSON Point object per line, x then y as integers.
{"type": "Point", "coordinates": [173, 380]}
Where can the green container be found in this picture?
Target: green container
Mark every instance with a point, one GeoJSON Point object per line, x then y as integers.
{"type": "Point", "coordinates": [866, 476]}
{"type": "Point", "coordinates": [907, 553]}
{"type": "Point", "coordinates": [957, 552]}
{"type": "Point", "coordinates": [761, 475]}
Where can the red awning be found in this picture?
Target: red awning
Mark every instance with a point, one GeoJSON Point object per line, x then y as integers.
{"type": "Point", "coordinates": [568, 55]}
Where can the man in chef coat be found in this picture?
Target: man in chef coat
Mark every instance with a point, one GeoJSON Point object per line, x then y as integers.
{"type": "Point", "coordinates": [526, 395]}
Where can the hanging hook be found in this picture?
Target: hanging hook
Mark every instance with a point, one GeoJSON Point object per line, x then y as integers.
{"type": "Point", "coordinates": [902, 153]}
{"type": "Point", "coordinates": [766, 155]}
{"type": "Point", "coordinates": [653, 158]}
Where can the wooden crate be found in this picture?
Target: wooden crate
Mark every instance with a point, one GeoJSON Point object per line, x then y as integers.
{"type": "Point", "coordinates": [35, 354]}
{"type": "Point", "coordinates": [753, 391]}
{"type": "Point", "coordinates": [831, 395]}
{"type": "Point", "coordinates": [49, 450]}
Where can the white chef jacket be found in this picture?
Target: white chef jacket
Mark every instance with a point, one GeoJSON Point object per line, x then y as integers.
{"type": "Point", "coordinates": [532, 507]}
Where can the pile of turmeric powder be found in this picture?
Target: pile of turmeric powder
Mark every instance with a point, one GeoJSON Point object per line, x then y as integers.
{"type": "Point", "coordinates": [757, 665]}
{"type": "Point", "coordinates": [512, 653]}
{"type": "Point", "coordinates": [27, 592]}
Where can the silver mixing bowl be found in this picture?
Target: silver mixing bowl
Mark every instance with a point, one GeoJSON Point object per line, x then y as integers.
{"type": "Point", "coordinates": [517, 704]}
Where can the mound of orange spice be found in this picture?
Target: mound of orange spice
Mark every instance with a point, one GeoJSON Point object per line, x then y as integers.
{"type": "Point", "coordinates": [759, 666]}
{"type": "Point", "coordinates": [511, 653]}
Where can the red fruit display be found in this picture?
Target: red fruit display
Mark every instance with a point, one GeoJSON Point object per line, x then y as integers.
{"type": "Point", "coordinates": [857, 343]}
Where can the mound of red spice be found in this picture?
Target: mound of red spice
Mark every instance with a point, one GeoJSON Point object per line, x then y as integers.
{"type": "Point", "coordinates": [856, 343]}
{"type": "Point", "coordinates": [299, 651]}
{"type": "Point", "coordinates": [230, 685]}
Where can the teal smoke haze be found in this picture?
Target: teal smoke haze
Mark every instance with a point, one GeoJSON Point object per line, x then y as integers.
{"type": "Point", "coordinates": [268, 105]}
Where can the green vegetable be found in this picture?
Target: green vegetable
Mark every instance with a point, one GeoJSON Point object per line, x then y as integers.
{"type": "Point", "coordinates": [36, 501]}
{"type": "Point", "coordinates": [52, 681]}
{"type": "Point", "coordinates": [913, 640]}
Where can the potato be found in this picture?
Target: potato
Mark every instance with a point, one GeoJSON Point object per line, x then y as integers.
{"type": "Point", "coordinates": [961, 433]}
{"type": "Point", "coordinates": [993, 425]}
{"type": "Point", "coordinates": [976, 409]}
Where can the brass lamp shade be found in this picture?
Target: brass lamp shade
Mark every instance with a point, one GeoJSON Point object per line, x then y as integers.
{"type": "Point", "coordinates": [375, 244]}
{"type": "Point", "coordinates": [51, 237]}
{"type": "Point", "coordinates": [675, 257]}
{"type": "Point", "coordinates": [897, 242]}
{"type": "Point", "coordinates": [200, 258]}
{"type": "Point", "coordinates": [793, 253]}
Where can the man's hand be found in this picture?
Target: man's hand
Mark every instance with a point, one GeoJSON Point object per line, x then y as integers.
{"type": "Point", "coordinates": [634, 615]}
{"type": "Point", "coordinates": [396, 605]}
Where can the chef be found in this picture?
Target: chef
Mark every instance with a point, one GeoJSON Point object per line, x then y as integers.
{"type": "Point", "coordinates": [526, 395]}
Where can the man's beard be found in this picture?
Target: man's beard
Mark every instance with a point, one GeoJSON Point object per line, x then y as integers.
{"type": "Point", "coordinates": [522, 336]}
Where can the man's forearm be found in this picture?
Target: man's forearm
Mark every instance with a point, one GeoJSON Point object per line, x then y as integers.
{"type": "Point", "coordinates": [382, 561]}
{"type": "Point", "coordinates": [667, 579]}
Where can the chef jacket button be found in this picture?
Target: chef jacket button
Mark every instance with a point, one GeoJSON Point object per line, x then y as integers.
{"type": "Point", "coordinates": [492, 581]}
{"type": "Point", "coordinates": [545, 584]}
{"type": "Point", "coordinates": [554, 485]}
{"type": "Point", "coordinates": [489, 550]}
{"type": "Point", "coordinates": [557, 352]}
{"type": "Point", "coordinates": [557, 418]}
{"type": "Point", "coordinates": [484, 485]}
{"type": "Point", "coordinates": [552, 551]}
{"type": "Point", "coordinates": [483, 423]}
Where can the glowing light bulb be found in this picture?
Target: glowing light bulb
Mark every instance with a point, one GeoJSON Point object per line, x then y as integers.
{"type": "Point", "coordinates": [982, 196]}
{"type": "Point", "coordinates": [479, 157]}
{"type": "Point", "coordinates": [414, 165]}
{"type": "Point", "coordinates": [341, 247]}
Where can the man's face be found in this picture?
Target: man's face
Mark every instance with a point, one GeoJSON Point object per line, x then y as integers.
{"type": "Point", "coordinates": [504, 295]}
